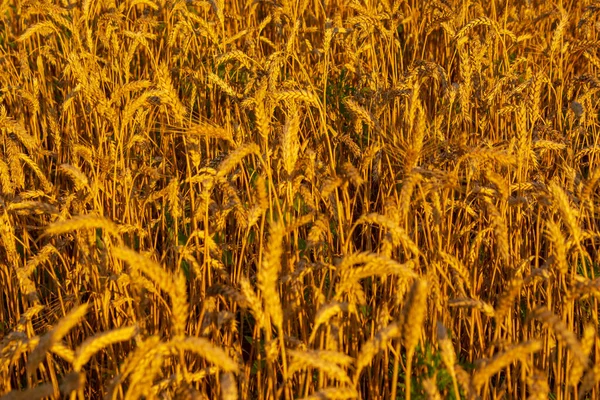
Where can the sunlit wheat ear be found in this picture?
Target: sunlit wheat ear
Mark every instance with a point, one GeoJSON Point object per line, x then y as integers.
{"type": "Point", "coordinates": [430, 387]}
{"type": "Point", "coordinates": [491, 366]}
{"type": "Point", "coordinates": [228, 387]}
{"type": "Point", "coordinates": [557, 326]}
{"type": "Point", "coordinates": [371, 348]}
{"type": "Point", "coordinates": [75, 174]}
{"type": "Point", "coordinates": [480, 305]}
{"type": "Point", "coordinates": [447, 354]}
{"type": "Point", "coordinates": [538, 384]}
{"type": "Point", "coordinates": [334, 393]}
{"type": "Point", "coordinates": [501, 232]}
{"type": "Point", "coordinates": [55, 335]}
{"type": "Point", "coordinates": [414, 313]}
{"type": "Point", "coordinates": [39, 392]}
{"type": "Point", "coordinates": [173, 284]}
{"type": "Point", "coordinates": [290, 144]}
{"type": "Point", "coordinates": [505, 302]}
{"type": "Point", "coordinates": [97, 342]}
{"type": "Point", "coordinates": [268, 274]}
{"type": "Point", "coordinates": [459, 270]}
{"type": "Point", "coordinates": [83, 222]}
{"type": "Point", "coordinates": [399, 236]}
{"type": "Point", "coordinates": [372, 265]}
{"type": "Point", "coordinates": [325, 313]}
{"type": "Point", "coordinates": [332, 366]}
{"type": "Point", "coordinates": [578, 368]}
{"type": "Point", "coordinates": [235, 157]}
{"type": "Point", "coordinates": [207, 350]}
{"type": "Point", "coordinates": [568, 213]}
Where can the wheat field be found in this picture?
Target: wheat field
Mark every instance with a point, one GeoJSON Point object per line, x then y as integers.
{"type": "Point", "coordinates": [333, 199]}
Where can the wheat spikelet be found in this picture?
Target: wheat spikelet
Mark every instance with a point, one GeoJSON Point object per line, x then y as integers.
{"type": "Point", "coordinates": [578, 368]}
{"type": "Point", "coordinates": [447, 354]}
{"type": "Point", "coordinates": [224, 86]}
{"type": "Point", "coordinates": [236, 55]}
{"type": "Point", "coordinates": [16, 168]}
{"type": "Point", "coordinates": [39, 392]}
{"type": "Point", "coordinates": [302, 360]}
{"type": "Point", "coordinates": [507, 299]}
{"type": "Point", "coordinates": [482, 155]}
{"type": "Point", "coordinates": [399, 236]}
{"type": "Point", "coordinates": [371, 348]}
{"type": "Point", "coordinates": [560, 329]}
{"type": "Point", "coordinates": [325, 313]}
{"type": "Point", "coordinates": [373, 265]}
{"type": "Point", "coordinates": [175, 287]}
{"type": "Point", "coordinates": [459, 269]}
{"type": "Point", "coordinates": [568, 213]}
{"type": "Point", "coordinates": [205, 349]}
{"type": "Point", "coordinates": [559, 248]}
{"type": "Point", "coordinates": [229, 293]}
{"type": "Point", "coordinates": [297, 95]}
{"type": "Point", "coordinates": [290, 144]}
{"type": "Point", "coordinates": [414, 314]}
{"type": "Point", "coordinates": [132, 107]}
{"type": "Point", "coordinates": [262, 111]}
{"type": "Point", "coordinates": [228, 387]}
{"type": "Point", "coordinates": [235, 157]}
{"type": "Point", "coordinates": [353, 147]}
{"type": "Point", "coordinates": [55, 335]}
{"type": "Point", "coordinates": [254, 302]}
{"type": "Point", "coordinates": [83, 222]}
{"type": "Point", "coordinates": [32, 207]}
{"type": "Point", "coordinates": [209, 131]}
{"type": "Point", "coordinates": [558, 33]}
{"type": "Point", "coordinates": [169, 93]}
{"type": "Point", "coordinates": [538, 385]}
{"type": "Point", "coordinates": [173, 198]}
{"type": "Point", "coordinates": [127, 88]}
{"type": "Point", "coordinates": [361, 113]}
{"type": "Point", "coordinates": [541, 144]}
{"type": "Point", "coordinates": [590, 379]}
{"type": "Point", "coordinates": [480, 21]}
{"type": "Point", "coordinates": [13, 346]}
{"type": "Point", "coordinates": [46, 184]}
{"type": "Point", "coordinates": [492, 366]}
{"type": "Point", "coordinates": [334, 393]}
{"type": "Point", "coordinates": [133, 361]}
{"type": "Point", "coordinates": [268, 274]}
{"type": "Point", "coordinates": [63, 352]}
{"type": "Point", "coordinates": [72, 382]}
{"type": "Point", "coordinates": [409, 184]}
{"type": "Point", "coordinates": [501, 232]}
{"type": "Point", "coordinates": [43, 28]}
{"type": "Point", "coordinates": [480, 305]}
{"type": "Point", "coordinates": [7, 184]}
{"type": "Point", "coordinates": [430, 387]}
{"type": "Point", "coordinates": [97, 342]}
{"type": "Point", "coordinates": [148, 367]}
{"type": "Point", "coordinates": [78, 177]}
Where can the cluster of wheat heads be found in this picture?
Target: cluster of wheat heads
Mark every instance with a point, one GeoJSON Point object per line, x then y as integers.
{"type": "Point", "coordinates": [311, 199]}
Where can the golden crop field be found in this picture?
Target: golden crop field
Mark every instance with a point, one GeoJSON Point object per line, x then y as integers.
{"type": "Point", "coordinates": [308, 199]}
